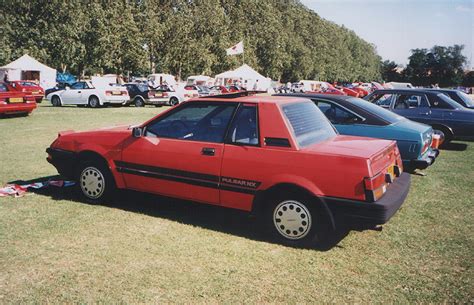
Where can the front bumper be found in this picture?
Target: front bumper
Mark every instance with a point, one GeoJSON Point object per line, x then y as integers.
{"type": "Point", "coordinates": [374, 213]}
{"type": "Point", "coordinates": [64, 161]}
{"type": "Point", "coordinates": [425, 161]}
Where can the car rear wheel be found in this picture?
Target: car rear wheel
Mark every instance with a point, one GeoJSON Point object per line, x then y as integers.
{"type": "Point", "coordinates": [174, 101]}
{"type": "Point", "coordinates": [55, 101]}
{"type": "Point", "coordinates": [139, 102]}
{"type": "Point", "coordinates": [94, 102]}
{"type": "Point", "coordinates": [296, 220]}
{"type": "Point", "coordinates": [96, 183]}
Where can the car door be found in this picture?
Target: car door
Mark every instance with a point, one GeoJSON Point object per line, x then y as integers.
{"type": "Point", "coordinates": [413, 106]}
{"type": "Point", "coordinates": [242, 161]}
{"type": "Point", "coordinates": [180, 153]}
{"type": "Point", "coordinates": [73, 94]}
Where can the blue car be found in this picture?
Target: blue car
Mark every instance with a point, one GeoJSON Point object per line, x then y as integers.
{"type": "Point", "coordinates": [354, 116]}
{"type": "Point", "coordinates": [430, 107]}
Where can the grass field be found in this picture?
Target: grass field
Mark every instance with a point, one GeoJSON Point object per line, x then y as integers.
{"type": "Point", "coordinates": [142, 248]}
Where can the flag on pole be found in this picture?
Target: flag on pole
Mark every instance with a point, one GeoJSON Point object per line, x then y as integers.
{"type": "Point", "coordinates": [237, 49]}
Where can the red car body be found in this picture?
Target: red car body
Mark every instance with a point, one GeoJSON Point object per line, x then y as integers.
{"type": "Point", "coordinates": [362, 92]}
{"type": "Point", "coordinates": [354, 178]}
{"type": "Point", "coordinates": [350, 92]}
{"type": "Point", "coordinates": [221, 89]}
{"type": "Point", "coordinates": [14, 102]}
{"type": "Point", "coordinates": [29, 88]}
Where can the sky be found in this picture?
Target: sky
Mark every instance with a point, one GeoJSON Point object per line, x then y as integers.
{"type": "Point", "coordinates": [397, 26]}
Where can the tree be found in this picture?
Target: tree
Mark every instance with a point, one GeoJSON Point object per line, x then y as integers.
{"type": "Point", "coordinates": [468, 80]}
{"type": "Point", "coordinates": [389, 71]}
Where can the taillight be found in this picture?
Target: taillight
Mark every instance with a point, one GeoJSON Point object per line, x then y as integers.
{"type": "Point", "coordinates": [165, 94]}
{"type": "Point", "coordinates": [124, 92]}
{"type": "Point", "coordinates": [151, 94]}
{"type": "Point", "coordinates": [108, 93]}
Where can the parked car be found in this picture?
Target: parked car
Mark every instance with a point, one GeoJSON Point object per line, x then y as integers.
{"type": "Point", "coordinates": [219, 90]}
{"type": "Point", "coordinates": [15, 102]}
{"type": "Point", "coordinates": [276, 157]}
{"type": "Point", "coordinates": [202, 90]}
{"type": "Point", "coordinates": [59, 86]}
{"type": "Point", "coordinates": [429, 107]}
{"type": "Point", "coordinates": [84, 93]}
{"type": "Point", "coordinates": [141, 95]}
{"type": "Point", "coordinates": [357, 117]}
{"type": "Point", "coordinates": [28, 87]}
{"type": "Point", "coordinates": [458, 96]}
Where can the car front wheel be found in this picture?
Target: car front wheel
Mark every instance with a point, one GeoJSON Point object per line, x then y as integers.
{"type": "Point", "coordinates": [55, 101]}
{"type": "Point", "coordinates": [96, 183]}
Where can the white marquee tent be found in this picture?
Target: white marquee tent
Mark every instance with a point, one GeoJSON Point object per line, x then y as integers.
{"type": "Point", "coordinates": [28, 68]}
{"type": "Point", "coordinates": [246, 76]}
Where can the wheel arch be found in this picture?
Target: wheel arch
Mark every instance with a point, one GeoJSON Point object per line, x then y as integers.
{"type": "Point", "coordinates": [58, 96]}
{"type": "Point", "coordinates": [91, 155]}
{"type": "Point", "coordinates": [97, 96]}
{"type": "Point", "coordinates": [442, 126]}
{"type": "Point", "coordinates": [261, 198]}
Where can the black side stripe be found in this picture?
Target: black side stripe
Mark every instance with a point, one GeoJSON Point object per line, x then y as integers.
{"type": "Point", "coordinates": [193, 178]}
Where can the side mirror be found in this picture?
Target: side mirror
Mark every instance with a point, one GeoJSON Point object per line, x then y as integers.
{"type": "Point", "coordinates": [137, 132]}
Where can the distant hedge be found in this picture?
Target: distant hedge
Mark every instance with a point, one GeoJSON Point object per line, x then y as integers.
{"type": "Point", "coordinates": [283, 39]}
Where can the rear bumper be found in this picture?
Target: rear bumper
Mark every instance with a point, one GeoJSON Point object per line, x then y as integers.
{"type": "Point", "coordinates": [374, 213]}
{"type": "Point", "coordinates": [426, 161]}
{"type": "Point", "coordinates": [116, 100]}
{"type": "Point", "coordinates": [64, 161]}
{"type": "Point", "coordinates": [17, 108]}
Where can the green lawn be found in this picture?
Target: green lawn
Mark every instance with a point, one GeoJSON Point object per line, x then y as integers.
{"type": "Point", "coordinates": [142, 248]}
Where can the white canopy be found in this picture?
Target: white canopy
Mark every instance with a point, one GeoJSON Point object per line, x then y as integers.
{"type": "Point", "coordinates": [247, 76]}
{"type": "Point", "coordinates": [200, 79]}
{"type": "Point", "coordinates": [26, 68]}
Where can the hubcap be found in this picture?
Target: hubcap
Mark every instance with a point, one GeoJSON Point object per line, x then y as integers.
{"type": "Point", "coordinates": [92, 182]}
{"type": "Point", "coordinates": [94, 102]}
{"type": "Point", "coordinates": [292, 219]}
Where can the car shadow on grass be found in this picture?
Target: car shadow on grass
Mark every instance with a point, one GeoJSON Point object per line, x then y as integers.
{"type": "Point", "coordinates": [226, 220]}
{"type": "Point", "coordinates": [454, 146]}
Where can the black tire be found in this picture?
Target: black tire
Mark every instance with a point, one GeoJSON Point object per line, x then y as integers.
{"type": "Point", "coordinates": [307, 224]}
{"type": "Point", "coordinates": [94, 102]}
{"type": "Point", "coordinates": [174, 101]}
{"type": "Point", "coordinates": [56, 101]}
{"type": "Point", "coordinates": [139, 102]}
{"type": "Point", "coordinates": [95, 181]}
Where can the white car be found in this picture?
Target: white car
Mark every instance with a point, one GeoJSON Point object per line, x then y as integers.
{"type": "Point", "coordinates": [164, 95]}
{"type": "Point", "coordinates": [84, 93]}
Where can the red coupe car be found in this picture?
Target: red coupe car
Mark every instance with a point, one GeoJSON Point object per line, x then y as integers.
{"type": "Point", "coordinates": [15, 102]}
{"type": "Point", "coordinates": [27, 87]}
{"type": "Point", "coordinates": [276, 157]}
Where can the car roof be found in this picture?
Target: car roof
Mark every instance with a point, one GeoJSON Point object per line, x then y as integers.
{"type": "Point", "coordinates": [423, 90]}
{"type": "Point", "coordinates": [259, 99]}
{"type": "Point", "coordinates": [341, 98]}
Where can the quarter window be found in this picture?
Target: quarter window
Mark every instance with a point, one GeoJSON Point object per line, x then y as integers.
{"type": "Point", "coordinates": [336, 114]}
{"type": "Point", "coordinates": [244, 129]}
{"type": "Point", "coordinates": [195, 122]}
{"type": "Point", "coordinates": [78, 86]}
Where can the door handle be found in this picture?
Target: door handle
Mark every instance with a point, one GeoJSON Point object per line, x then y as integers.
{"type": "Point", "coordinates": [78, 91]}
{"type": "Point", "coordinates": [207, 151]}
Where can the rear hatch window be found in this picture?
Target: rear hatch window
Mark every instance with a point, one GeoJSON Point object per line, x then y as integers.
{"type": "Point", "coordinates": [309, 124]}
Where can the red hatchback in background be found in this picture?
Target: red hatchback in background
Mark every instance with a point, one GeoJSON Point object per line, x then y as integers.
{"type": "Point", "coordinates": [27, 87]}
{"type": "Point", "coordinates": [13, 102]}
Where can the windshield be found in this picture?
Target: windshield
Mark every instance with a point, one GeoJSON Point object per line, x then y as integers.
{"type": "Point", "coordinates": [309, 124]}
{"type": "Point", "coordinates": [382, 113]}
{"type": "Point", "coordinates": [448, 100]}
{"type": "Point", "coordinates": [466, 98]}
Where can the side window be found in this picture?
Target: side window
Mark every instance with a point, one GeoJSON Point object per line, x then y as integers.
{"type": "Point", "coordinates": [244, 128]}
{"type": "Point", "coordinates": [336, 114]}
{"type": "Point", "coordinates": [195, 122]}
{"type": "Point", "coordinates": [78, 86]}
{"type": "Point", "coordinates": [406, 101]}
{"type": "Point", "coordinates": [437, 102]}
{"type": "Point", "coordinates": [383, 100]}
